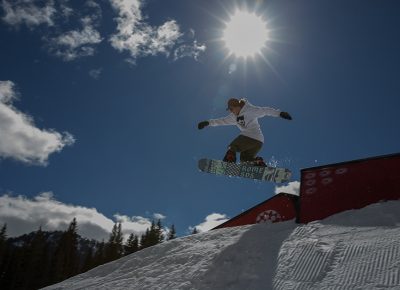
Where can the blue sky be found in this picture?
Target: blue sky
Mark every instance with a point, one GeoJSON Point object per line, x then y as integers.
{"type": "Point", "coordinates": [111, 93]}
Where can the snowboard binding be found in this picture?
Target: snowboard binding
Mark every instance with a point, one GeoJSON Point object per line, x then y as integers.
{"type": "Point", "coordinates": [259, 161]}
{"type": "Point", "coordinates": [230, 156]}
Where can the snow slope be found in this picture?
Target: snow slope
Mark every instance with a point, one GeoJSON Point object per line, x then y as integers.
{"type": "Point", "coordinates": [358, 249]}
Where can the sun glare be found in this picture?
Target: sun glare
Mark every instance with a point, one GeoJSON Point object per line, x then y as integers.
{"type": "Point", "coordinates": [245, 34]}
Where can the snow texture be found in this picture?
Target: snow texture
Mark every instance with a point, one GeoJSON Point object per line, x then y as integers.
{"type": "Point", "coordinates": [357, 249]}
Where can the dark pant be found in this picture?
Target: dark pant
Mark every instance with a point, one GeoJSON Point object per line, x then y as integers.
{"type": "Point", "coordinates": [248, 147]}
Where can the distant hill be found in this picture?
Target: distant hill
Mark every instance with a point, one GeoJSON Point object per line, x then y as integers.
{"type": "Point", "coordinates": [52, 238]}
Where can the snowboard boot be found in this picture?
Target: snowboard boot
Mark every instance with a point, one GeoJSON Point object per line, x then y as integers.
{"type": "Point", "coordinates": [259, 161]}
{"type": "Point", "coordinates": [230, 156]}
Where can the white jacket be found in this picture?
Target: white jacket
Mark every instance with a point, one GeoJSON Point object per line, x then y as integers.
{"type": "Point", "coordinates": [247, 120]}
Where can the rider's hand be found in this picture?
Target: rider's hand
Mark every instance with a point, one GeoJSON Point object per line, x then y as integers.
{"type": "Point", "coordinates": [203, 124]}
{"type": "Point", "coordinates": [285, 115]}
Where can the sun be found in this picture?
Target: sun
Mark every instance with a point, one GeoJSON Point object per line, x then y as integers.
{"type": "Point", "coordinates": [245, 34]}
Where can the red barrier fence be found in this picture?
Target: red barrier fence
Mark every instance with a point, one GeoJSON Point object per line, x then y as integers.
{"type": "Point", "coordinates": [334, 188]}
{"type": "Point", "coordinates": [281, 207]}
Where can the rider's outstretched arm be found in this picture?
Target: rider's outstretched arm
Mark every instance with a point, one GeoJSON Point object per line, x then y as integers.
{"type": "Point", "coordinates": [259, 112]}
{"type": "Point", "coordinates": [228, 120]}
{"type": "Point", "coordinates": [224, 121]}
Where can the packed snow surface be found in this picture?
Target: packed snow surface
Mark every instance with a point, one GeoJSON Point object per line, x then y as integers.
{"type": "Point", "coordinates": [357, 249]}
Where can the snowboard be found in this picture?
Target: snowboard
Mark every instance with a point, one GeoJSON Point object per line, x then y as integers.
{"type": "Point", "coordinates": [246, 170]}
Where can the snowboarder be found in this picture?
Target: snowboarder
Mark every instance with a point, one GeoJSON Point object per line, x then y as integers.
{"type": "Point", "coordinates": [251, 139]}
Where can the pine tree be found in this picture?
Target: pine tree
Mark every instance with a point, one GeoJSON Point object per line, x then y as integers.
{"type": "Point", "coordinates": [14, 266]}
{"type": "Point", "coordinates": [4, 256]}
{"type": "Point", "coordinates": [66, 262]}
{"type": "Point", "coordinates": [41, 260]}
{"type": "Point", "coordinates": [114, 247]}
{"type": "Point", "coordinates": [119, 239]}
{"type": "Point", "coordinates": [26, 265]}
{"type": "Point", "coordinates": [195, 231]}
{"type": "Point", "coordinates": [88, 262]}
{"type": "Point", "coordinates": [152, 238]}
{"type": "Point", "coordinates": [99, 255]}
{"type": "Point", "coordinates": [153, 235]}
{"type": "Point", "coordinates": [145, 239]}
{"type": "Point", "coordinates": [132, 244]}
{"type": "Point", "coordinates": [72, 264]}
{"type": "Point", "coordinates": [36, 262]}
{"type": "Point", "coordinates": [171, 233]}
{"type": "Point", "coordinates": [159, 236]}
{"type": "Point", "coordinates": [3, 239]}
{"type": "Point", "coordinates": [3, 235]}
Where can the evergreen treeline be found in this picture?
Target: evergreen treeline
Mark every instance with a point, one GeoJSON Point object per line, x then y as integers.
{"type": "Point", "coordinates": [43, 258]}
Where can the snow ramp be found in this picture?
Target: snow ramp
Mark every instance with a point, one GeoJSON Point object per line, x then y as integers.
{"type": "Point", "coordinates": [356, 249]}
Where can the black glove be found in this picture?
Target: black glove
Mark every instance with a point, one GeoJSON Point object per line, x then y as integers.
{"type": "Point", "coordinates": [203, 124]}
{"type": "Point", "coordinates": [285, 115]}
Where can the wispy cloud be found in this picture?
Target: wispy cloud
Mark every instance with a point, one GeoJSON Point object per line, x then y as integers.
{"type": "Point", "coordinates": [210, 222]}
{"type": "Point", "coordinates": [66, 44]}
{"type": "Point", "coordinates": [159, 216]}
{"type": "Point", "coordinates": [141, 39]}
{"type": "Point", "coordinates": [23, 215]}
{"type": "Point", "coordinates": [8, 92]}
{"type": "Point", "coordinates": [138, 37]}
{"type": "Point", "coordinates": [20, 138]}
{"type": "Point", "coordinates": [132, 224]}
{"type": "Point", "coordinates": [82, 42]}
{"type": "Point", "coordinates": [189, 50]}
{"type": "Point", "coordinates": [28, 12]}
{"type": "Point", "coordinates": [76, 43]}
{"type": "Point", "coordinates": [95, 73]}
{"type": "Point", "coordinates": [292, 188]}
{"type": "Point", "coordinates": [134, 34]}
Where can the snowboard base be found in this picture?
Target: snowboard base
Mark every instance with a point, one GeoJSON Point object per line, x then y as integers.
{"type": "Point", "coordinates": [245, 170]}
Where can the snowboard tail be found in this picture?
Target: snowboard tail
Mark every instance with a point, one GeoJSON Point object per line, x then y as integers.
{"type": "Point", "coordinates": [245, 170]}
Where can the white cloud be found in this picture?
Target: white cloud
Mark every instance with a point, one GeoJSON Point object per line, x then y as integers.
{"type": "Point", "coordinates": [20, 138]}
{"type": "Point", "coordinates": [189, 50]}
{"type": "Point", "coordinates": [66, 11]}
{"type": "Point", "coordinates": [232, 68]}
{"type": "Point", "coordinates": [210, 222]}
{"type": "Point", "coordinates": [23, 215]}
{"type": "Point", "coordinates": [93, 12]}
{"type": "Point", "coordinates": [28, 12]}
{"type": "Point", "coordinates": [138, 37]}
{"type": "Point", "coordinates": [69, 45]}
{"type": "Point", "coordinates": [95, 73]}
{"type": "Point", "coordinates": [141, 39]}
{"type": "Point", "coordinates": [7, 92]}
{"type": "Point", "coordinates": [292, 188]}
{"type": "Point", "coordinates": [133, 34]}
{"type": "Point", "coordinates": [76, 43]}
{"type": "Point", "coordinates": [134, 224]}
{"type": "Point", "coordinates": [159, 216]}
{"type": "Point", "coordinates": [93, 4]}
{"type": "Point", "coordinates": [138, 224]}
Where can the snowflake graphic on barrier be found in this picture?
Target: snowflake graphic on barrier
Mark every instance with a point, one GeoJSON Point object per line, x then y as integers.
{"type": "Point", "coordinates": [324, 177]}
{"type": "Point", "coordinates": [269, 216]}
